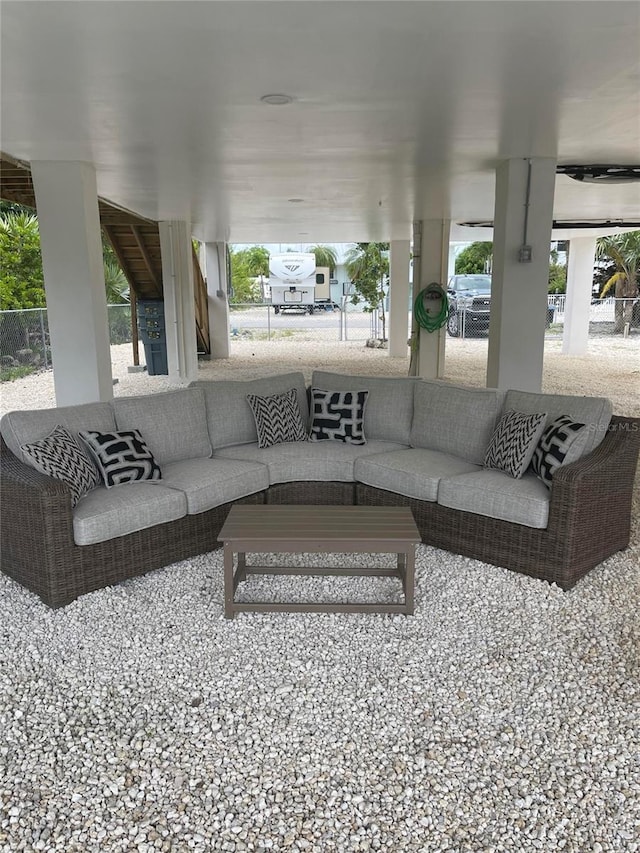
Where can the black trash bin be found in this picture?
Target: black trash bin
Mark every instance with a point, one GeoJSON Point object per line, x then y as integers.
{"type": "Point", "coordinates": [153, 334]}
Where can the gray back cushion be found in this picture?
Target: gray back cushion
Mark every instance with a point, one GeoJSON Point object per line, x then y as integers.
{"type": "Point", "coordinates": [173, 424]}
{"type": "Point", "coordinates": [455, 420]}
{"type": "Point", "coordinates": [24, 427]}
{"type": "Point", "coordinates": [595, 412]}
{"type": "Point", "coordinates": [229, 416]}
{"type": "Point", "coordinates": [389, 410]}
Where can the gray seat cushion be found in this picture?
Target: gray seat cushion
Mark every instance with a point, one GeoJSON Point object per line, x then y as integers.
{"type": "Point", "coordinates": [25, 427]}
{"type": "Point", "coordinates": [454, 420]}
{"type": "Point", "coordinates": [173, 424]}
{"type": "Point", "coordinates": [389, 409]}
{"type": "Point", "coordinates": [595, 412]}
{"type": "Point", "coordinates": [106, 513]}
{"type": "Point", "coordinates": [415, 472]}
{"type": "Point", "coordinates": [207, 483]}
{"type": "Point", "coordinates": [308, 460]}
{"type": "Point", "coordinates": [497, 495]}
{"type": "Point", "coordinates": [229, 416]}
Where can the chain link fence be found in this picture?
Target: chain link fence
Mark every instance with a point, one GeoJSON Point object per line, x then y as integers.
{"type": "Point", "coordinates": [260, 321]}
{"type": "Point", "coordinates": [25, 345]}
{"type": "Point", "coordinates": [606, 317]}
{"type": "Point", "coordinates": [24, 341]}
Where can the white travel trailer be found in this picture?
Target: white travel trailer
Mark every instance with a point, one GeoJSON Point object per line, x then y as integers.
{"type": "Point", "coordinates": [296, 282]}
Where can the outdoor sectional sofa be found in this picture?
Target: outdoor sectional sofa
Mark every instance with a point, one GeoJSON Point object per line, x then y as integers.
{"type": "Point", "coordinates": [426, 443]}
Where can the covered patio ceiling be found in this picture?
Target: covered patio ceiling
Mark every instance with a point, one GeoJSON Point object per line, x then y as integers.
{"type": "Point", "coordinates": [399, 110]}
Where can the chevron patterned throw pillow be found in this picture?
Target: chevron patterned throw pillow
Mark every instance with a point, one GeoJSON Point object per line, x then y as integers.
{"type": "Point", "coordinates": [121, 457]}
{"type": "Point", "coordinates": [338, 415]}
{"type": "Point", "coordinates": [513, 442]}
{"type": "Point", "coordinates": [60, 455]}
{"type": "Point", "coordinates": [554, 446]}
{"type": "Point", "coordinates": [278, 418]}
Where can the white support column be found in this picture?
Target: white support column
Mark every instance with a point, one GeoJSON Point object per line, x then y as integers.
{"type": "Point", "coordinates": [71, 245]}
{"type": "Point", "coordinates": [179, 301]}
{"type": "Point", "coordinates": [575, 337]}
{"type": "Point", "coordinates": [434, 263]}
{"type": "Point", "coordinates": [519, 289]}
{"type": "Point", "coordinates": [399, 298]}
{"type": "Point", "coordinates": [217, 289]}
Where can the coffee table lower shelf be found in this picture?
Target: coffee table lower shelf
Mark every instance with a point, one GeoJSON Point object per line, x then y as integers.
{"type": "Point", "coordinates": [282, 529]}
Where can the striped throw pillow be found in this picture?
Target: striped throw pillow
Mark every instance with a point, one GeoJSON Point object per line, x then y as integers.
{"type": "Point", "coordinates": [60, 455]}
{"type": "Point", "coordinates": [278, 418]}
{"type": "Point", "coordinates": [513, 442]}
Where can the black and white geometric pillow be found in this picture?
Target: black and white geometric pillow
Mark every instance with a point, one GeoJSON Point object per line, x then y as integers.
{"type": "Point", "coordinates": [553, 446]}
{"type": "Point", "coordinates": [513, 442]}
{"type": "Point", "coordinates": [338, 415]}
{"type": "Point", "coordinates": [121, 457]}
{"type": "Point", "coordinates": [60, 455]}
{"type": "Point", "coordinates": [278, 418]}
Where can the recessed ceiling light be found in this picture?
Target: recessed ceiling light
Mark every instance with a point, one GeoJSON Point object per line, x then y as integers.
{"type": "Point", "coordinates": [276, 100]}
{"type": "Point", "coordinates": [295, 200]}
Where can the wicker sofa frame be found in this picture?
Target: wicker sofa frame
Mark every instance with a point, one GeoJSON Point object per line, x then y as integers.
{"type": "Point", "coordinates": [589, 520]}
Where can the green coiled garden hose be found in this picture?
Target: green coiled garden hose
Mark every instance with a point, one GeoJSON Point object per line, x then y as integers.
{"type": "Point", "coordinates": [433, 293]}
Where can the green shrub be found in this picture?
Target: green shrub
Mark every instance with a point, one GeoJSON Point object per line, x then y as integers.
{"type": "Point", "coordinates": [8, 374]}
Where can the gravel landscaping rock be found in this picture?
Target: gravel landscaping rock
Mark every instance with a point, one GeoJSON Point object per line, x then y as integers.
{"type": "Point", "coordinates": [611, 368]}
{"type": "Point", "coordinates": [502, 716]}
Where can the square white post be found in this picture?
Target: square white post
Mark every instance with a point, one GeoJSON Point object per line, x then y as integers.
{"type": "Point", "coordinates": [217, 290]}
{"type": "Point", "coordinates": [519, 288]}
{"type": "Point", "coordinates": [399, 298]}
{"type": "Point", "coordinates": [179, 301]}
{"type": "Point", "coordinates": [575, 335]}
{"type": "Point", "coordinates": [71, 245]}
{"type": "Point", "coordinates": [434, 264]}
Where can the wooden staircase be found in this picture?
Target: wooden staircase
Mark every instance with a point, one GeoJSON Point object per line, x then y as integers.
{"type": "Point", "coordinates": [134, 239]}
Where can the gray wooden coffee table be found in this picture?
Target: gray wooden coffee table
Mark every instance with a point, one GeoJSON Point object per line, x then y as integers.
{"type": "Point", "coordinates": [280, 529]}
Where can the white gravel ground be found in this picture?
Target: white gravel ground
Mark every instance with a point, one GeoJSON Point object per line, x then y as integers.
{"type": "Point", "coordinates": [611, 368]}
{"type": "Point", "coordinates": [501, 717]}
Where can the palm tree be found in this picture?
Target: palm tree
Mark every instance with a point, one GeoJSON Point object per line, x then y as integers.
{"type": "Point", "coordinates": [368, 268]}
{"type": "Point", "coordinates": [326, 256]}
{"type": "Point", "coordinates": [624, 251]}
{"type": "Point", "coordinates": [116, 284]}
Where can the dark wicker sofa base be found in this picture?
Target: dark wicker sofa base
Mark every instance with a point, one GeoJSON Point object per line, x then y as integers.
{"type": "Point", "coordinates": [589, 520]}
{"type": "Point", "coordinates": [38, 549]}
{"type": "Point", "coordinates": [589, 516]}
